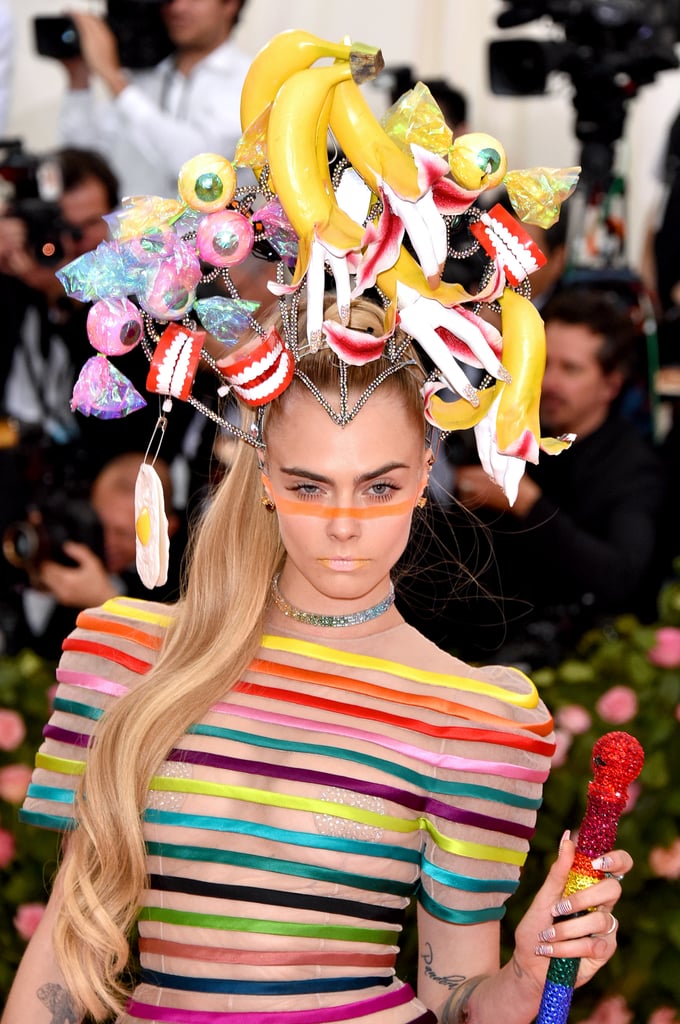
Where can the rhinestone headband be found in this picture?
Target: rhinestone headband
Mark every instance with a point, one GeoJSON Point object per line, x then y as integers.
{"type": "Point", "coordinates": [382, 223]}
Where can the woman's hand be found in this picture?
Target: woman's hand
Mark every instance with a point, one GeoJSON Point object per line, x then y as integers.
{"type": "Point", "coordinates": [591, 938]}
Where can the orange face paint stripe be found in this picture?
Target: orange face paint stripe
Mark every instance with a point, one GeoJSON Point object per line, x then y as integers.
{"type": "Point", "coordinates": [307, 508]}
{"type": "Point", "coordinates": [86, 620]}
{"type": "Point", "coordinates": [447, 707]}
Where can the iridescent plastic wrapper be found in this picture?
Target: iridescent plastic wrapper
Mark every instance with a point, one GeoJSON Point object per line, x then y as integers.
{"type": "Point", "coordinates": [103, 391]}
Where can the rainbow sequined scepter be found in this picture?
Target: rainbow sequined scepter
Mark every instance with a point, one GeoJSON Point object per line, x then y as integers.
{"type": "Point", "coordinates": [617, 760]}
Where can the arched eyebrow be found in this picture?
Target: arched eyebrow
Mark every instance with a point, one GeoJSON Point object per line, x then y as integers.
{"type": "Point", "coordinates": [307, 474]}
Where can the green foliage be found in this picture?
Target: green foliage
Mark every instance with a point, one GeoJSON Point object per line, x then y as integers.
{"type": "Point", "coordinates": [24, 684]}
{"type": "Point", "coordinates": [626, 654]}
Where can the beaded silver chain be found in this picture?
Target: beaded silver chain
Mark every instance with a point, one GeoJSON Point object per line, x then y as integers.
{"type": "Point", "coordinates": [315, 619]}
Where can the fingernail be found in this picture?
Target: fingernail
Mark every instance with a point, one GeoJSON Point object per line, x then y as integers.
{"type": "Point", "coordinates": [543, 950]}
{"type": "Point", "coordinates": [562, 908]}
{"type": "Point", "coordinates": [602, 863]}
{"type": "Point", "coordinates": [565, 836]}
{"type": "Point", "coordinates": [547, 935]}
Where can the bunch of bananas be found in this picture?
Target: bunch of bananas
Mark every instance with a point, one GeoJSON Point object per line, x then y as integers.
{"type": "Point", "coordinates": [294, 101]}
{"type": "Point", "coordinates": [301, 102]}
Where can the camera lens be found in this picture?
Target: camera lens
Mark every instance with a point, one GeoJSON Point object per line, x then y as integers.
{"type": "Point", "coordinates": [21, 544]}
{"type": "Point", "coordinates": [69, 36]}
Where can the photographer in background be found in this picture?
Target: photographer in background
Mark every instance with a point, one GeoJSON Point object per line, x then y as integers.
{"type": "Point", "coordinates": [152, 121]}
{"type": "Point", "coordinates": [101, 564]}
{"type": "Point", "coordinates": [44, 337]}
{"type": "Point", "coordinates": [581, 542]}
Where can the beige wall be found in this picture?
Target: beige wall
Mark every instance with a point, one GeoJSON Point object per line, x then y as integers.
{"type": "Point", "coordinates": [437, 38]}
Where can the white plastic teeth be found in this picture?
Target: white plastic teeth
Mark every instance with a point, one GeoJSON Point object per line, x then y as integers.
{"type": "Point", "coordinates": [515, 255]}
{"type": "Point", "coordinates": [256, 369]}
{"type": "Point", "coordinates": [260, 392]}
{"type": "Point", "coordinates": [173, 369]}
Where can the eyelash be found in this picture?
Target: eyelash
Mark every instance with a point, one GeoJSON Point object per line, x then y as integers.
{"type": "Point", "coordinates": [309, 491]}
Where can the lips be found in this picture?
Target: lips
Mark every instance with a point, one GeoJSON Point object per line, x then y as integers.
{"type": "Point", "coordinates": [344, 564]}
{"type": "Point", "coordinates": [175, 362]}
{"type": "Point", "coordinates": [261, 370]}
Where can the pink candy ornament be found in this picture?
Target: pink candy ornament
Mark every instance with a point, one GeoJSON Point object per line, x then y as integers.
{"type": "Point", "coordinates": [169, 288]}
{"type": "Point", "coordinates": [224, 239]}
{"type": "Point", "coordinates": [114, 326]}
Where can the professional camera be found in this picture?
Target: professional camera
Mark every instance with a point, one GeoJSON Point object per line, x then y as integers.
{"type": "Point", "coordinates": [35, 184]}
{"type": "Point", "coordinates": [137, 25]}
{"type": "Point", "coordinates": [50, 504]}
{"type": "Point", "coordinates": [609, 49]}
{"type": "Point", "coordinates": [28, 542]}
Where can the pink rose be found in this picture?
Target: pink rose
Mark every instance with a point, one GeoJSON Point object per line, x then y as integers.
{"type": "Point", "coordinates": [617, 705]}
{"type": "Point", "coordinates": [562, 745]}
{"type": "Point", "coordinates": [574, 718]}
{"type": "Point", "coordinates": [666, 650]}
{"type": "Point", "coordinates": [14, 780]}
{"type": "Point", "coordinates": [666, 862]}
{"type": "Point", "coordinates": [27, 919]}
{"type": "Point", "coordinates": [12, 729]}
{"type": "Point", "coordinates": [613, 1010]}
{"type": "Point", "coordinates": [7, 847]}
{"type": "Point", "coordinates": [664, 1015]}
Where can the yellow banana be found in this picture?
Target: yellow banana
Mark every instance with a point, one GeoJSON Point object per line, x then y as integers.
{"type": "Point", "coordinates": [405, 178]}
{"type": "Point", "coordinates": [368, 147]}
{"type": "Point", "coordinates": [295, 140]}
{"type": "Point", "coordinates": [460, 415]}
{"type": "Point", "coordinates": [517, 423]}
{"type": "Point", "coordinates": [293, 51]}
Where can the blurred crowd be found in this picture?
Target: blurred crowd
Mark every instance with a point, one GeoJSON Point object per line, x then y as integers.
{"type": "Point", "coordinates": [591, 534]}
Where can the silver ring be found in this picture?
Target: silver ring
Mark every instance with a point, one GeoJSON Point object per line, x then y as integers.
{"type": "Point", "coordinates": [608, 874]}
{"type": "Point", "coordinates": [612, 927]}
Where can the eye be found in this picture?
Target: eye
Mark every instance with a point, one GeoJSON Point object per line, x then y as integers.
{"type": "Point", "coordinates": [306, 490]}
{"type": "Point", "coordinates": [382, 490]}
{"type": "Point", "coordinates": [207, 182]}
{"type": "Point", "coordinates": [489, 160]}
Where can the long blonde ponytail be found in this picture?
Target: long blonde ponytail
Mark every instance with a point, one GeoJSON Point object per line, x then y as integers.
{"type": "Point", "coordinates": [215, 633]}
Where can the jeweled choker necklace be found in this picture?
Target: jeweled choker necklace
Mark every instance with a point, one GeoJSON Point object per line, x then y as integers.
{"type": "Point", "coordinates": [313, 619]}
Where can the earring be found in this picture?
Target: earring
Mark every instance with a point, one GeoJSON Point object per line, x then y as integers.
{"type": "Point", "coordinates": [268, 503]}
{"type": "Point", "coordinates": [422, 501]}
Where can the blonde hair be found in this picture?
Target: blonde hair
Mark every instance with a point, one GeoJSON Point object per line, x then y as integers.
{"type": "Point", "coordinates": [216, 631]}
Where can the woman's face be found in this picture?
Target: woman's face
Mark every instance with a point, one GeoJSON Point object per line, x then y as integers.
{"type": "Point", "coordinates": [344, 497]}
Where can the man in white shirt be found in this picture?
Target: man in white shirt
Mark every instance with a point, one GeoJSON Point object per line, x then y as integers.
{"type": "Point", "coordinates": [150, 122]}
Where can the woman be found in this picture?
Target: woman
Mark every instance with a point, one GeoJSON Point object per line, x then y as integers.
{"type": "Point", "coordinates": [284, 762]}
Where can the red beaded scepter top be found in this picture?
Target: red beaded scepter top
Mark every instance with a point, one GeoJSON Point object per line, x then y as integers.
{"type": "Point", "coordinates": [617, 760]}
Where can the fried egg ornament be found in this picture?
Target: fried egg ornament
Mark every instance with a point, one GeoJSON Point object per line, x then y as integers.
{"type": "Point", "coordinates": [152, 545]}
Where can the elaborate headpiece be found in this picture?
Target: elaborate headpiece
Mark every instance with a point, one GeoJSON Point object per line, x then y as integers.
{"type": "Point", "coordinates": [400, 179]}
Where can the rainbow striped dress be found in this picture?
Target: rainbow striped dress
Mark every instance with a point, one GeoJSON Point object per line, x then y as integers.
{"type": "Point", "coordinates": [290, 828]}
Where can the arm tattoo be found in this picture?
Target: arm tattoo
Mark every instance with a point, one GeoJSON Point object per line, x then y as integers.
{"type": "Point", "coordinates": [452, 981]}
{"type": "Point", "coordinates": [516, 968]}
{"type": "Point", "coordinates": [59, 1003]}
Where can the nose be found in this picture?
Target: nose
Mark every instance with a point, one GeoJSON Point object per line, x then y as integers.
{"type": "Point", "coordinates": [343, 524]}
